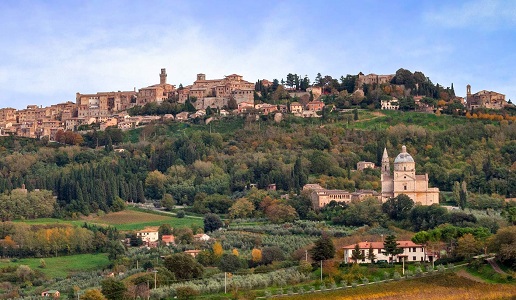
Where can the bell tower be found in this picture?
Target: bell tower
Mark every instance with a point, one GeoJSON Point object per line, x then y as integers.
{"type": "Point", "coordinates": [386, 167]}
{"type": "Point", "coordinates": [163, 77]}
{"type": "Point", "coordinates": [468, 90]}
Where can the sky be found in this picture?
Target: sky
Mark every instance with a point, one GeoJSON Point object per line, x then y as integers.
{"type": "Point", "coordinates": [50, 50]}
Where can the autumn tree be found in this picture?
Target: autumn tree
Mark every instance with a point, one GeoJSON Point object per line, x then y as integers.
{"type": "Point", "coordinates": [256, 255]}
{"type": "Point", "coordinates": [93, 294]}
{"type": "Point", "coordinates": [467, 246]}
{"type": "Point", "coordinates": [242, 208]}
{"type": "Point", "coordinates": [217, 250]}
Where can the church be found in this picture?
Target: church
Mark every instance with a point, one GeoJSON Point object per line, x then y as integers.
{"type": "Point", "coordinates": [405, 181]}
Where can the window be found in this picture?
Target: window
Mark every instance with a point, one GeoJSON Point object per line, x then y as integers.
{"type": "Point", "coordinates": [405, 187]}
{"type": "Point", "coordinates": [414, 249]}
{"type": "Point", "coordinates": [413, 258]}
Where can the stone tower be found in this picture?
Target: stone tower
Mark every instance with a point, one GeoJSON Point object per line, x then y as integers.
{"type": "Point", "coordinates": [468, 90]}
{"type": "Point", "coordinates": [163, 77]}
{"type": "Point", "coordinates": [386, 167]}
{"type": "Point", "coordinates": [201, 76]}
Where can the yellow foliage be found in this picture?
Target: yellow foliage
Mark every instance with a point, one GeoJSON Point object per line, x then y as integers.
{"type": "Point", "coordinates": [256, 255]}
{"type": "Point", "coordinates": [217, 250]}
{"type": "Point", "coordinates": [235, 252]}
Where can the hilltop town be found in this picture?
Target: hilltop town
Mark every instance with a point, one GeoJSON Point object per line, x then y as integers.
{"type": "Point", "coordinates": [234, 95]}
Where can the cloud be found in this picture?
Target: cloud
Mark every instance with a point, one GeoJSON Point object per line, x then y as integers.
{"type": "Point", "coordinates": [480, 14]}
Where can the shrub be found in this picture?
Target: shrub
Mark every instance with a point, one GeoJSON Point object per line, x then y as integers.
{"type": "Point", "coordinates": [180, 214]}
{"type": "Point", "coordinates": [418, 271]}
{"type": "Point", "coordinates": [441, 268]}
{"type": "Point", "coordinates": [365, 280]}
{"type": "Point", "coordinates": [396, 276]}
{"type": "Point", "coordinates": [186, 292]}
{"type": "Point", "coordinates": [354, 284]}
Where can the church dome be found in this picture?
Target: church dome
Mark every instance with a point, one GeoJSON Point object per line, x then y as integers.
{"type": "Point", "coordinates": [403, 157]}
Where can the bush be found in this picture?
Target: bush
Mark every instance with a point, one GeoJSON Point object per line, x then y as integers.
{"type": "Point", "coordinates": [396, 276]}
{"type": "Point", "coordinates": [180, 214]}
{"type": "Point", "coordinates": [186, 292]}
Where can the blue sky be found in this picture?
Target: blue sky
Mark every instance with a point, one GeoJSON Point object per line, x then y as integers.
{"type": "Point", "coordinates": [52, 49]}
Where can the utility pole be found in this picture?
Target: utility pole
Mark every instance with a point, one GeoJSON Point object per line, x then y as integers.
{"type": "Point", "coordinates": [306, 255]}
{"type": "Point", "coordinates": [155, 278]}
{"type": "Point", "coordinates": [225, 282]}
{"type": "Point", "coordinates": [321, 270]}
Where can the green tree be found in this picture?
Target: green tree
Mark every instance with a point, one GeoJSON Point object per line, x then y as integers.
{"type": "Point", "coordinates": [212, 222]}
{"type": "Point", "coordinates": [168, 201]}
{"type": "Point", "coordinates": [357, 254]}
{"type": "Point", "coordinates": [323, 248]}
{"type": "Point", "coordinates": [183, 266]}
{"type": "Point", "coordinates": [92, 294]}
{"type": "Point", "coordinates": [370, 254]}
{"type": "Point", "coordinates": [155, 184]}
{"type": "Point", "coordinates": [398, 208]}
{"type": "Point", "coordinates": [391, 248]}
{"type": "Point", "coordinates": [113, 289]}
{"type": "Point", "coordinates": [229, 263]}
{"type": "Point", "coordinates": [271, 254]}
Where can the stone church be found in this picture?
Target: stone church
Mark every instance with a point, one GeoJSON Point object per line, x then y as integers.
{"type": "Point", "coordinates": [405, 181]}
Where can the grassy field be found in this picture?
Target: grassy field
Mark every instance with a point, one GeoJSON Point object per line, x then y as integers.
{"type": "Point", "coordinates": [128, 219]}
{"type": "Point", "coordinates": [62, 266]}
{"type": "Point", "coordinates": [385, 119]}
{"type": "Point", "coordinates": [443, 287]}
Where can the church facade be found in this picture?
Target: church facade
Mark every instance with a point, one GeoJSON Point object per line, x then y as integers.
{"type": "Point", "coordinates": [405, 181]}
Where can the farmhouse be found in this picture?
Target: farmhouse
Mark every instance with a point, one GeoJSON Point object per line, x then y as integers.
{"type": "Point", "coordinates": [411, 252]}
{"type": "Point", "coordinates": [148, 235]}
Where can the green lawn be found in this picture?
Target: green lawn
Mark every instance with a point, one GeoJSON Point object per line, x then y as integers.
{"type": "Point", "coordinates": [62, 266]}
{"type": "Point", "coordinates": [129, 219]}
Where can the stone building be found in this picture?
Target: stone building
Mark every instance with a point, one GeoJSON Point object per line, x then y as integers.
{"type": "Point", "coordinates": [405, 181]}
{"type": "Point", "coordinates": [217, 92]}
{"type": "Point", "coordinates": [156, 93]}
{"type": "Point", "coordinates": [321, 197]}
{"type": "Point", "coordinates": [104, 103]}
{"type": "Point", "coordinates": [372, 79]}
{"type": "Point", "coordinates": [361, 165]}
{"type": "Point", "coordinates": [484, 99]}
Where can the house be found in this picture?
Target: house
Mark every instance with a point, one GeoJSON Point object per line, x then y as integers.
{"type": "Point", "coordinates": [51, 293]}
{"type": "Point", "coordinates": [315, 105]}
{"type": "Point", "coordinates": [296, 108]}
{"type": "Point", "coordinates": [182, 116]}
{"type": "Point", "coordinates": [148, 235]}
{"type": "Point", "coordinates": [202, 237]}
{"type": "Point", "coordinates": [411, 252]}
{"type": "Point", "coordinates": [193, 253]}
{"type": "Point", "coordinates": [310, 114]}
{"type": "Point", "coordinates": [168, 239]}
{"type": "Point", "coordinates": [392, 104]}
{"type": "Point", "coordinates": [361, 165]}
{"type": "Point", "coordinates": [245, 106]}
